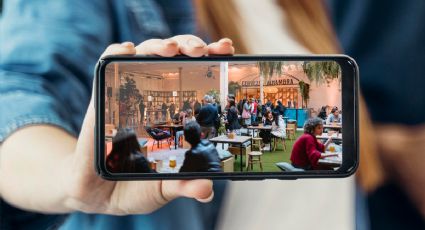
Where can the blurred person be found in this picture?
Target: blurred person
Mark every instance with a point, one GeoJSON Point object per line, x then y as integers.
{"type": "Point", "coordinates": [246, 112]}
{"type": "Point", "coordinates": [197, 106]}
{"type": "Point", "coordinates": [216, 104]}
{"type": "Point", "coordinates": [240, 105]}
{"type": "Point", "coordinates": [45, 103]}
{"type": "Point", "coordinates": [186, 118]}
{"type": "Point", "coordinates": [202, 156]}
{"type": "Point", "coordinates": [142, 108]}
{"type": "Point", "coordinates": [164, 110]}
{"type": "Point", "coordinates": [268, 121]}
{"type": "Point", "coordinates": [307, 150]}
{"type": "Point", "coordinates": [334, 117]}
{"type": "Point", "coordinates": [217, 122]}
{"type": "Point", "coordinates": [259, 110]}
{"type": "Point", "coordinates": [172, 109]}
{"type": "Point", "coordinates": [254, 107]}
{"type": "Point", "coordinates": [280, 108]}
{"type": "Point", "coordinates": [232, 116]}
{"type": "Point", "coordinates": [186, 105]}
{"type": "Point", "coordinates": [390, 180]}
{"type": "Point", "coordinates": [126, 156]}
{"type": "Point", "coordinates": [278, 126]}
{"type": "Point", "coordinates": [322, 113]}
{"type": "Point", "coordinates": [296, 27]}
{"type": "Point", "coordinates": [207, 118]}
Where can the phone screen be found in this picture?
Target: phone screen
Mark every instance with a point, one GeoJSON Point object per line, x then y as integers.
{"type": "Point", "coordinates": [211, 116]}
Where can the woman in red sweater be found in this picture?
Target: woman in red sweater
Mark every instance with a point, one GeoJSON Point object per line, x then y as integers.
{"type": "Point", "coordinates": [307, 149]}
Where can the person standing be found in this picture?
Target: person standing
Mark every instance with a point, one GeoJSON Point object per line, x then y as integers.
{"type": "Point", "coordinates": [164, 108]}
{"type": "Point", "coordinates": [232, 116]}
{"type": "Point", "coordinates": [186, 105]}
{"type": "Point", "coordinates": [259, 110]}
{"type": "Point", "coordinates": [217, 106]}
{"type": "Point", "coordinates": [207, 118]}
{"type": "Point", "coordinates": [142, 108]}
{"type": "Point", "coordinates": [172, 109]}
{"type": "Point", "coordinates": [280, 108]}
{"type": "Point", "coordinates": [246, 113]}
{"type": "Point", "coordinates": [240, 105]}
{"type": "Point", "coordinates": [197, 107]}
{"type": "Point", "coordinates": [254, 110]}
{"type": "Point", "coordinates": [269, 104]}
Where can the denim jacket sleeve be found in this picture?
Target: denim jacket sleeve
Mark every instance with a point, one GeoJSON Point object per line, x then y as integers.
{"type": "Point", "coordinates": [47, 51]}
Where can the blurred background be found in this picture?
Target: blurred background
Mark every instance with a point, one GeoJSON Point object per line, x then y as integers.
{"type": "Point", "coordinates": [386, 40]}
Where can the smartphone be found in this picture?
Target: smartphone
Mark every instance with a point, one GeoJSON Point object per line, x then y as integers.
{"type": "Point", "coordinates": [226, 117]}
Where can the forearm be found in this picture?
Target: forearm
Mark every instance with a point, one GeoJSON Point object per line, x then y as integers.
{"type": "Point", "coordinates": [34, 164]}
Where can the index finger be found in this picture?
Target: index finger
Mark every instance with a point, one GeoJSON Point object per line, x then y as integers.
{"type": "Point", "coordinates": [125, 48]}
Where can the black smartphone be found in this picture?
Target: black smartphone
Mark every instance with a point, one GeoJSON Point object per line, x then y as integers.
{"type": "Point", "coordinates": [226, 117]}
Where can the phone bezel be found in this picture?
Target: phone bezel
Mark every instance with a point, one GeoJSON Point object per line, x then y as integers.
{"type": "Point", "coordinates": [349, 92]}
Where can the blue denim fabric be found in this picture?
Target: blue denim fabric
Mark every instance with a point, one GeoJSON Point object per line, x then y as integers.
{"type": "Point", "coordinates": [48, 50]}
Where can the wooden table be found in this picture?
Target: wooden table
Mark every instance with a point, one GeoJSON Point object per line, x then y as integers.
{"type": "Point", "coordinates": [173, 129]}
{"type": "Point", "coordinates": [238, 140]}
{"type": "Point", "coordinates": [333, 126]}
{"type": "Point", "coordinates": [332, 161]}
{"type": "Point", "coordinates": [260, 127]}
{"type": "Point", "coordinates": [325, 136]}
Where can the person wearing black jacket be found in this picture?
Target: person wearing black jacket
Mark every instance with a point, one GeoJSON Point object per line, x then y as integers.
{"type": "Point", "coordinates": [280, 108]}
{"type": "Point", "coordinates": [207, 118]}
{"type": "Point", "coordinates": [232, 116]}
{"type": "Point", "coordinates": [203, 156]}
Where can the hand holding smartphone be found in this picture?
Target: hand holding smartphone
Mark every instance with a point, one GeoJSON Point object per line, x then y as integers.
{"type": "Point", "coordinates": [140, 95]}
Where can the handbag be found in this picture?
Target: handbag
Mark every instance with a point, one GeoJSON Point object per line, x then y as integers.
{"type": "Point", "coordinates": [246, 114]}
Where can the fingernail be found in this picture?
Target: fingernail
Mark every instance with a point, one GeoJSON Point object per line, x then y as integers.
{"type": "Point", "coordinates": [208, 199]}
{"type": "Point", "coordinates": [225, 41]}
{"type": "Point", "coordinates": [195, 43]}
{"type": "Point", "coordinates": [127, 44]}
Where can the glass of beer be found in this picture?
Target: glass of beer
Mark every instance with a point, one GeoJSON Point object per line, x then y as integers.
{"type": "Point", "coordinates": [172, 162]}
{"type": "Point", "coordinates": [332, 148]}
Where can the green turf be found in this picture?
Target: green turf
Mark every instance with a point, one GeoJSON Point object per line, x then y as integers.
{"type": "Point", "coordinates": [269, 159]}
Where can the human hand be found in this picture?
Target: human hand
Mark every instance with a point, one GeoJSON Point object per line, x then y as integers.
{"type": "Point", "coordinates": [90, 193]}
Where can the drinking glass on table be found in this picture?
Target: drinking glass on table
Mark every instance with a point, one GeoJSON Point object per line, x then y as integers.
{"type": "Point", "coordinates": [172, 162]}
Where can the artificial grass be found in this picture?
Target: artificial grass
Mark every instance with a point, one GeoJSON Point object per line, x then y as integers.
{"type": "Point", "coordinates": [270, 159]}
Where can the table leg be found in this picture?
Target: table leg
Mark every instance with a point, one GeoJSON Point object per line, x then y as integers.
{"type": "Point", "coordinates": [240, 152]}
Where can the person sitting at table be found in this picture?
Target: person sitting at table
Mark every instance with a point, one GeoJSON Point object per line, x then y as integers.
{"type": "Point", "coordinates": [278, 126]}
{"type": "Point", "coordinates": [266, 134]}
{"type": "Point", "coordinates": [232, 116]}
{"type": "Point", "coordinates": [186, 118]}
{"type": "Point", "coordinates": [334, 117]}
{"type": "Point", "coordinates": [307, 150]}
{"type": "Point", "coordinates": [322, 113]}
{"type": "Point", "coordinates": [126, 156]}
{"type": "Point", "coordinates": [202, 156]}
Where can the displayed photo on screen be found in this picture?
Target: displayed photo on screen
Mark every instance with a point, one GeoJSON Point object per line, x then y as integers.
{"type": "Point", "coordinates": [238, 116]}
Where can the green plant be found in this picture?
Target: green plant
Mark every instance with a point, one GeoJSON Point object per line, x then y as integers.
{"type": "Point", "coordinates": [322, 71]}
{"type": "Point", "coordinates": [305, 93]}
{"type": "Point", "coordinates": [128, 90]}
{"type": "Point", "coordinates": [234, 87]}
{"type": "Point", "coordinates": [216, 94]}
{"type": "Point", "coordinates": [269, 68]}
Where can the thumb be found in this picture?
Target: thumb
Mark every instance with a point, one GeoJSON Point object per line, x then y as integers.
{"type": "Point", "coordinates": [85, 146]}
{"type": "Point", "coordinates": [201, 190]}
